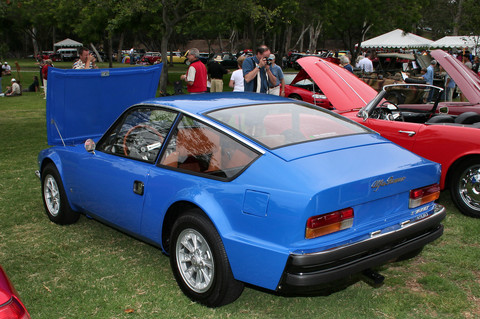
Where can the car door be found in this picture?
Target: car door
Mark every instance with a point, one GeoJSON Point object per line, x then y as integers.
{"type": "Point", "coordinates": [114, 177]}
{"type": "Point", "coordinates": [401, 133]}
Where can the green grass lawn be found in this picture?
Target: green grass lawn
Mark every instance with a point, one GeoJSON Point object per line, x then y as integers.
{"type": "Point", "coordinates": [89, 270]}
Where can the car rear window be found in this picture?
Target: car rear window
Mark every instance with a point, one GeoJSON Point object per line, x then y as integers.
{"type": "Point", "coordinates": [201, 149]}
{"type": "Point", "coordinates": [277, 125]}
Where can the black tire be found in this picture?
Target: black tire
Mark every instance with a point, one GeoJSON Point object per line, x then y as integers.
{"type": "Point", "coordinates": [217, 286]}
{"type": "Point", "coordinates": [54, 198]}
{"type": "Point", "coordinates": [465, 186]}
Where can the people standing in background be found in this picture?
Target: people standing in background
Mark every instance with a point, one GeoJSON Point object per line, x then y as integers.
{"type": "Point", "coordinates": [215, 73]}
{"type": "Point", "coordinates": [476, 64]}
{"type": "Point", "coordinates": [86, 60]}
{"type": "Point", "coordinates": [48, 64]}
{"type": "Point", "coordinates": [345, 63]}
{"type": "Point", "coordinates": [132, 55]}
{"type": "Point", "coordinates": [279, 87]}
{"type": "Point", "coordinates": [236, 80]}
{"type": "Point", "coordinates": [196, 76]}
{"type": "Point", "coordinates": [366, 64]}
{"type": "Point", "coordinates": [256, 72]}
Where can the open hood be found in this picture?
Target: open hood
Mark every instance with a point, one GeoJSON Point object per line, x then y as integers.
{"type": "Point", "coordinates": [466, 79]}
{"type": "Point", "coordinates": [343, 89]}
{"type": "Point", "coordinates": [83, 104]}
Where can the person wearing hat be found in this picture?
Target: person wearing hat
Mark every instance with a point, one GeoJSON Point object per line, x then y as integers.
{"type": "Point", "coordinates": [7, 70]}
{"type": "Point", "coordinates": [279, 87]}
{"type": "Point", "coordinates": [13, 90]}
{"type": "Point", "coordinates": [216, 72]}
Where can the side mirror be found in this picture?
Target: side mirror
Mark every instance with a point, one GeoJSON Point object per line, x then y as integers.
{"type": "Point", "coordinates": [443, 110]}
{"type": "Point", "coordinates": [90, 146]}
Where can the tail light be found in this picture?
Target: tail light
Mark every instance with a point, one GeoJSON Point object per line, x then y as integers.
{"type": "Point", "coordinates": [424, 195]}
{"type": "Point", "coordinates": [329, 223]}
{"type": "Point", "coordinates": [13, 309]}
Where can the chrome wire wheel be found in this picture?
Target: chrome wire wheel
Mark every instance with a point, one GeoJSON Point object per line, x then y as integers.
{"type": "Point", "coordinates": [469, 187]}
{"type": "Point", "coordinates": [195, 260]}
{"type": "Point", "coordinates": [51, 193]}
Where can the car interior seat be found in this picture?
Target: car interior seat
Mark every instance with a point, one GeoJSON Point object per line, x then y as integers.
{"type": "Point", "coordinates": [442, 118]}
{"type": "Point", "coordinates": [468, 118]}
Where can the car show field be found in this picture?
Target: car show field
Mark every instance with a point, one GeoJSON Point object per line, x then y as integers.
{"type": "Point", "coordinates": [90, 269]}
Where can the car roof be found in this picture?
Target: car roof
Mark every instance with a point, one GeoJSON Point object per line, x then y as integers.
{"type": "Point", "coordinates": [201, 103]}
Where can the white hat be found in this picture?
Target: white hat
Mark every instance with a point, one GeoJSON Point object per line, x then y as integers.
{"type": "Point", "coordinates": [13, 80]}
{"type": "Point", "coordinates": [271, 57]}
{"type": "Point", "coordinates": [6, 62]}
{"type": "Point", "coordinates": [218, 58]}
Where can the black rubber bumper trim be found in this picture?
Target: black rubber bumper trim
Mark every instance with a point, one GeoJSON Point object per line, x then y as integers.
{"type": "Point", "coordinates": [320, 268]}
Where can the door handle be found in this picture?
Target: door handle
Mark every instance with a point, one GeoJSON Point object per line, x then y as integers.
{"type": "Point", "coordinates": [138, 187]}
{"type": "Point", "coordinates": [410, 133]}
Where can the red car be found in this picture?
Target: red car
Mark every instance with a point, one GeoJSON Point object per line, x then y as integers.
{"type": "Point", "coordinates": [152, 57]}
{"type": "Point", "coordinates": [466, 80]}
{"type": "Point", "coordinates": [454, 145]}
{"type": "Point", "coordinates": [11, 307]}
{"type": "Point", "coordinates": [300, 87]}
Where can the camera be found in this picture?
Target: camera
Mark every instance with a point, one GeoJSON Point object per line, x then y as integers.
{"type": "Point", "coordinates": [269, 61]}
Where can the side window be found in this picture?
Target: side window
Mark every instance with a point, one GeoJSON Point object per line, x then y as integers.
{"type": "Point", "coordinates": [139, 134]}
{"type": "Point", "coordinates": [198, 148]}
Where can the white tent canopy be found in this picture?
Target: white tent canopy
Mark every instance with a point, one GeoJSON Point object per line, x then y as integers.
{"type": "Point", "coordinates": [397, 39]}
{"type": "Point", "coordinates": [456, 42]}
{"type": "Point", "coordinates": [68, 43]}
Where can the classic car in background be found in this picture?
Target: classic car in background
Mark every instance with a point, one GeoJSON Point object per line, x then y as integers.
{"type": "Point", "coordinates": [466, 80]}
{"type": "Point", "coordinates": [213, 180]}
{"type": "Point", "coordinates": [11, 307]}
{"type": "Point", "coordinates": [455, 145]}
{"type": "Point", "coordinates": [151, 57]}
{"type": "Point", "coordinates": [298, 86]}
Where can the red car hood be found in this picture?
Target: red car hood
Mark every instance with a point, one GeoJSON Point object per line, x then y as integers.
{"type": "Point", "coordinates": [466, 79]}
{"type": "Point", "coordinates": [343, 89]}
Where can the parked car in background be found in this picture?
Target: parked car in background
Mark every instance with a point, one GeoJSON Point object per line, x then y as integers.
{"type": "Point", "coordinates": [299, 86]}
{"type": "Point", "coordinates": [176, 57]}
{"type": "Point", "coordinates": [238, 187]}
{"type": "Point", "coordinates": [453, 141]}
{"type": "Point", "coordinates": [151, 57]}
{"type": "Point", "coordinates": [68, 54]}
{"type": "Point", "coordinates": [11, 307]}
{"type": "Point", "coordinates": [466, 80]}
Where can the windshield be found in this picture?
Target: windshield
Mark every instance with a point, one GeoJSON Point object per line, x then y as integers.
{"type": "Point", "coordinates": [277, 125]}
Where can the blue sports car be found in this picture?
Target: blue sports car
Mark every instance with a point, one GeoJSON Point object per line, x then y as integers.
{"type": "Point", "coordinates": [244, 188]}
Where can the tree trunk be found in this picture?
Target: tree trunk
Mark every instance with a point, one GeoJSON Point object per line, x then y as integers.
{"type": "Point", "coordinates": [34, 42]}
{"type": "Point", "coordinates": [314, 34]}
{"type": "Point", "coordinates": [120, 46]}
{"type": "Point", "coordinates": [99, 58]}
{"type": "Point", "coordinates": [288, 38]}
{"type": "Point", "coordinates": [458, 16]}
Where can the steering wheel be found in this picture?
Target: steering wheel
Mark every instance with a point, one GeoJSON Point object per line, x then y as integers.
{"type": "Point", "coordinates": [384, 112]}
{"type": "Point", "coordinates": [143, 141]}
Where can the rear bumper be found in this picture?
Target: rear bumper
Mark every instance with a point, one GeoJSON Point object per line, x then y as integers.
{"type": "Point", "coordinates": [305, 272]}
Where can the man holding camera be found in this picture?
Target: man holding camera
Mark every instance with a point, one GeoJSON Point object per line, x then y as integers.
{"type": "Point", "coordinates": [256, 72]}
{"type": "Point", "coordinates": [86, 60]}
{"type": "Point", "coordinates": [279, 87]}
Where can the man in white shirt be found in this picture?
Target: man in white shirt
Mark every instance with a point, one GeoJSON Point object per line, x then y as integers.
{"type": "Point", "coordinates": [366, 64]}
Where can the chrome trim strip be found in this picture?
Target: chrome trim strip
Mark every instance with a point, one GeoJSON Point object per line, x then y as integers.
{"type": "Point", "coordinates": [438, 209]}
{"type": "Point", "coordinates": [210, 123]}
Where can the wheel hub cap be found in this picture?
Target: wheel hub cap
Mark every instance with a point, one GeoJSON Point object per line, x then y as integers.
{"type": "Point", "coordinates": [470, 187]}
{"type": "Point", "coordinates": [195, 260]}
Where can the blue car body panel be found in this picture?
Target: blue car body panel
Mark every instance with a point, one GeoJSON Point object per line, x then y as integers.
{"type": "Point", "coordinates": [261, 213]}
